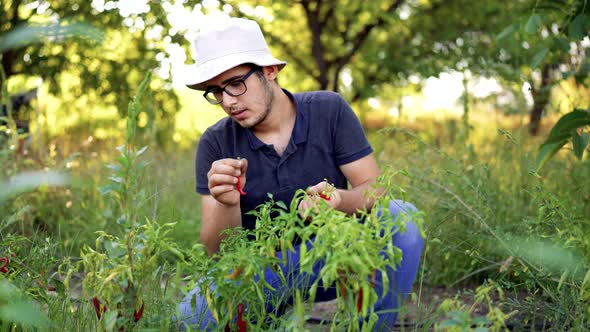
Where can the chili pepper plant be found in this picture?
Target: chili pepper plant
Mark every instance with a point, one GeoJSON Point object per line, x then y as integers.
{"type": "Point", "coordinates": [120, 265]}
{"type": "Point", "coordinates": [353, 248]}
{"type": "Point", "coordinates": [27, 282]}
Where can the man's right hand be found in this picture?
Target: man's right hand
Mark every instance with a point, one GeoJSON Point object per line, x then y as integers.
{"type": "Point", "coordinates": [223, 177]}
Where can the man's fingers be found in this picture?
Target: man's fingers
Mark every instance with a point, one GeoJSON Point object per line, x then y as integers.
{"type": "Point", "coordinates": [312, 190]}
{"type": "Point", "coordinates": [303, 206]}
{"type": "Point", "coordinates": [307, 203]}
{"type": "Point", "coordinates": [244, 165]}
{"type": "Point", "coordinates": [227, 165]}
{"type": "Point", "coordinates": [220, 190]}
{"type": "Point", "coordinates": [221, 168]}
{"type": "Point", "coordinates": [316, 188]}
{"type": "Point", "coordinates": [221, 179]}
{"type": "Point", "coordinates": [236, 163]}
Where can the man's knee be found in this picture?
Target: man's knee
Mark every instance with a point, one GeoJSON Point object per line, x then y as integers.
{"type": "Point", "coordinates": [409, 236]}
{"type": "Point", "coordinates": [397, 207]}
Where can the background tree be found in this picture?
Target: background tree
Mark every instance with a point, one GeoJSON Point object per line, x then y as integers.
{"type": "Point", "coordinates": [361, 49]}
{"type": "Point", "coordinates": [105, 75]}
{"type": "Point", "coordinates": [380, 45]}
{"type": "Point", "coordinates": [543, 46]}
{"type": "Point", "coordinates": [430, 38]}
{"type": "Point", "coordinates": [328, 39]}
{"type": "Point", "coordinates": [385, 42]}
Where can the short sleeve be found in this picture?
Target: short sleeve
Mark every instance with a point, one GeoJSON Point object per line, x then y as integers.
{"type": "Point", "coordinates": [206, 155]}
{"type": "Point", "coordinates": [350, 141]}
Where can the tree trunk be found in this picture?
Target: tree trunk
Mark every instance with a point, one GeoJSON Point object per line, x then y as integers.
{"type": "Point", "coordinates": [540, 100]}
{"type": "Point", "coordinates": [317, 47]}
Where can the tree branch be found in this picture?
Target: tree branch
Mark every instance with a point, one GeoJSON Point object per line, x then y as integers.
{"type": "Point", "coordinates": [362, 35]}
{"type": "Point", "coordinates": [15, 20]}
{"type": "Point", "coordinates": [328, 16]}
{"type": "Point", "coordinates": [359, 40]}
{"type": "Point", "coordinates": [291, 53]}
{"type": "Point", "coordinates": [317, 48]}
{"type": "Point", "coordinates": [351, 19]}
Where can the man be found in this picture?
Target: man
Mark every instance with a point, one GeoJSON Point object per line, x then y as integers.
{"type": "Point", "coordinates": [276, 142]}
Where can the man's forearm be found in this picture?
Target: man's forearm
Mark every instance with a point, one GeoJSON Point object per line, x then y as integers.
{"type": "Point", "coordinates": [358, 198]}
{"type": "Point", "coordinates": [216, 218]}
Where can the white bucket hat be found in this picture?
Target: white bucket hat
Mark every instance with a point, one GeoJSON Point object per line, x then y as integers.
{"type": "Point", "coordinates": [226, 45]}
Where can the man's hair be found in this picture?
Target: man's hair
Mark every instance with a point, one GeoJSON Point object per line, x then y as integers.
{"type": "Point", "coordinates": [259, 72]}
{"type": "Point", "coordinates": [254, 66]}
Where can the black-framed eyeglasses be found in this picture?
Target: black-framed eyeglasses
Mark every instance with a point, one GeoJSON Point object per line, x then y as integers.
{"type": "Point", "coordinates": [234, 88]}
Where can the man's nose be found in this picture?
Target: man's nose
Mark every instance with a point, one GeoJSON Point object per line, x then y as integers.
{"type": "Point", "coordinates": [228, 100]}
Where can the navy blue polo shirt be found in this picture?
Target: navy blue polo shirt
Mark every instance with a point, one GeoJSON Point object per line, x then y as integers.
{"type": "Point", "coordinates": [326, 135]}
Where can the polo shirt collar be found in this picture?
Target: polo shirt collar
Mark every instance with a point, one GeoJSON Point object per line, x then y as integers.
{"type": "Point", "coordinates": [299, 131]}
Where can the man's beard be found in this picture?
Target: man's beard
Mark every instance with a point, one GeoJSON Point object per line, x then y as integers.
{"type": "Point", "coordinates": [269, 98]}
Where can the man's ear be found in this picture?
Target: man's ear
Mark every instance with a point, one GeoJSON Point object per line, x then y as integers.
{"type": "Point", "coordinates": [270, 72]}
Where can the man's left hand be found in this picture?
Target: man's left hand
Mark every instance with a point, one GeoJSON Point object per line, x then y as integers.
{"type": "Point", "coordinates": [321, 191]}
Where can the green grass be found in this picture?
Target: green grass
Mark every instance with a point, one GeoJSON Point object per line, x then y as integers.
{"type": "Point", "coordinates": [477, 194]}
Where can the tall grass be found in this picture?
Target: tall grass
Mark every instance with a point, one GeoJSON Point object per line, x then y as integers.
{"type": "Point", "coordinates": [491, 217]}
{"type": "Point", "coordinates": [481, 197]}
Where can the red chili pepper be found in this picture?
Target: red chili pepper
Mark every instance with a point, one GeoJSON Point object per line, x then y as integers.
{"type": "Point", "coordinates": [4, 268]}
{"type": "Point", "coordinates": [137, 315]}
{"type": "Point", "coordinates": [97, 307]}
{"type": "Point", "coordinates": [359, 301]}
{"type": "Point", "coordinates": [342, 288]}
{"type": "Point", "coordinates": [236, 273]}
{"type": "Point", "coordinates": [239, 187]}
{"type": "Point", "coordinates": [241, 323]}
{"type": "Point", "coordinates": [324, 196]}
{"type": "Point", "coordinates": [227, 329]}
{"type": "Point", "coordinates": [101, 309]}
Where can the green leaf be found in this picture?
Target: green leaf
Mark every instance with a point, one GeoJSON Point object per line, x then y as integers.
{"type": "Point", "coordinates": [481, 329]}
{"type": "Point", "coordinates": [480, 321]}
{"type": "Point", "coordinates": [507, 135]}
{"type": "Point", "coordinates": [533, 24]}
{"type": "Point", "coordinates": [576, 29]}
{"type": "Point", "coordinates": [104, 190]}
{"type": "Point", "coordinates": [506, 32]}
{"type": "Point", "coordinates": [7, 289]}
{"type": "Point", "coordinates": [116, 179]}
{"type": "Point", "coordinates": [56, 32]}
{"type": "Point", "coordinates": [282, 205]}
{"type": "Point", "coordinates": [562, 43]}
{"type": "Point", "coordinates": [570, 121]}
{"type": "Point", "coordinates": [547, 151]}
{"type": "Point", "coordinates": [141, 151]}
{"type": "Point", "coordinates": [114, 249]}
{"type": "Point", "coordinates": [27, 181]}
{"type": "Point", "coordinates": [551, 256]}
{"type": "Point", "coordinates": [539, 57]}
{"type": "Point", "coordinates": [109, 319]}
{"type": "Point", "coordinates": [22, 312]}
{"type": "Point", "coordinates": [579, 142]}
{"type": "Point", "coordinates": [560, 135]}
{"type": "Point", "coordinates": [113, 167]}
{"type": "Point", "coordinates": [194, 301]}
